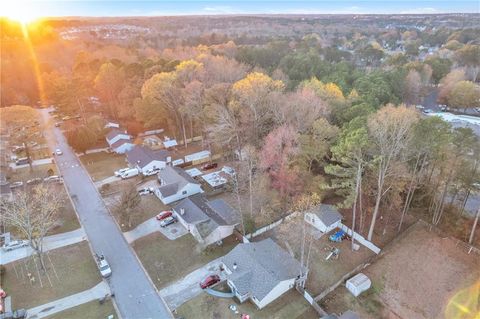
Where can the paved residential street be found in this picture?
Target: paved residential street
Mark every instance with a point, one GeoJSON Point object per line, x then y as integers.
{"type": "Point", "coordinates": [152, 225]}
{"type": "Point", "coordinates": [188, 287]}
{"type": "Point", "coordinates": [49, 243]}
{"type": "Point", "coordinates": [97, 292]}
{"type": "Point", "coordinates": [135, 295]}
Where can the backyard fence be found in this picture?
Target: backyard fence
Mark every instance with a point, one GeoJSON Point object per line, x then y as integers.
{"type": "Point", "coordinates": [270, 226]}
{"type": "Point", "coordinates": [359, 238]}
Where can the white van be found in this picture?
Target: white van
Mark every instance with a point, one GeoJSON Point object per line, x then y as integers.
{"type": "Point", "coordinates": [129, 173]}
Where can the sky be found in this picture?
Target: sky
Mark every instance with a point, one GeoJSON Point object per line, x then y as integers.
{"type": "Point", "coordinates": [56, 8]}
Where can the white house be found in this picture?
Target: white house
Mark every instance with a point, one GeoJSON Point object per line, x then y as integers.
{"type": "Point", "coordinates": [147, 161]}
{"type": "Point", "coordinates": [119, 141]}
{"type": "Point", "coordinates": [324, 217]}
{"type": "Point", "coordinates": [176, 184]}
{"type": "Point", "coordinates": [208, 221]}
{"type": "Point", "coordinates": [261, 271]}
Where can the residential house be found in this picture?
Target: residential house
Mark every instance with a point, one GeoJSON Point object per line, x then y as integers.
{"type": "Point", "coordinates": [261, 271]}
{"type": "Point", "coordinates": [176, 184]}
{"type": "Point", "coordinates": [147, 161]}
{"type": "Point", "coordinates": [119, 141]}
{"type": "Point", "coordinates": [324, 217]}
{"type": "Point", "coordinates": [208, 221]}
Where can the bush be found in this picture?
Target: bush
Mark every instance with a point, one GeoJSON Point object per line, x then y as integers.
{"type": "Point", "coordinates": [105, 188]}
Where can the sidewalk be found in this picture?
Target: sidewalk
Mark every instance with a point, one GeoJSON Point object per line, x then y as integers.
{"type": "Point", "coordinates": [97, 292]}
{"type": "Point", "coordinates": [50, 243]}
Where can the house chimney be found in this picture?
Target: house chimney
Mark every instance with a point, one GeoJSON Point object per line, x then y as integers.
{"type": "Point", "coordinates": [234, 266]}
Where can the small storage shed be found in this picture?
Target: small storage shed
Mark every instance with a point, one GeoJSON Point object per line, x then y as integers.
{"type": "Point", "coordinates": [358, 284]}
{"type": "Point", "coordinates": [324, 217]}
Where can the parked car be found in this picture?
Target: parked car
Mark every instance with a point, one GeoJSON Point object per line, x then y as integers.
{"type": "Point", "coordinates": [103, 266]}
{"type": "Point", "coordinates": [427, 111]}
{"type": "Point", "coordinates": [129, 173]}
{"type": "Point", "coordinates": [209, 166]}
{"type": "Point", "coordinates": [477, 109]}
{"type": "Point", "coordinates": [152, 171]}
{"type": "Point", "coordinates": [15, 244]}
{"type": "Point", "coordinates": [16, 185]}
{"type": "Point", "coordinates": [57, 124]}
{"type": "Point", "coordinates": [209, 281]}
{"type": "Point", "coordinates": [145, 191]}
{"type": "Point", "coordinates": [164, 214]}
{"type": "Point", "coordinates": [34, 181]}
{"type": "Point", "coordinates": [58, 152]}
{"type": "Point", "coordinates": [53, 179]}
{"type": "Point", "coordinates": [22, 161]}
{"type": "Point", "coordinates": [121, 171]}
{"type": "Point", "coordinates": [419, 107]}
{"type": "Point", "coordinates": [168, 221]}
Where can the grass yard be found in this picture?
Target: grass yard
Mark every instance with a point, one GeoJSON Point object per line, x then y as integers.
{"type": "Point", "coordinates": [24, 174]}
{"type": "Point", "coordinates": [290, 306]}
{"type": "Point", "coordinates": [102, 164]}
{"type": "Point", "coordinates": [422, 275]}
{"type": "Point", "coordinates": [169, 260]}
{"type": "Point", "coordinates": [322, 273]}
{"type": "Point", "coordinates": [70, 270]}
{"type": "Point", "coordinates": [92, 309]}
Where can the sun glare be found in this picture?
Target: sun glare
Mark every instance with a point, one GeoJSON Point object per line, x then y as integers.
{"type": "Point", "coordinates": [17, 11]}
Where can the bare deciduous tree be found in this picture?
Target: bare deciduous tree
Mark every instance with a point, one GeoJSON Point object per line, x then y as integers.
{"type": "Point", "coordinates": [33, 213]}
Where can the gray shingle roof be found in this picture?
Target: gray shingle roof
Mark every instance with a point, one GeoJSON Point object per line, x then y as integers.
{"type": "Point", "coordinates": [120, 142]}
{"type": "Point", "coordinates": [142, 156]}
{"type": "Point", "coordinates": [114, 132]}
{"type": "Point", "coordinates": [328, 214]}
{"type": "Point", "coordinates": [260, 267]}
{"type": "Point", "coordinates": [206, 215]}
{"type": "Point", "coordinates": [173, 179]}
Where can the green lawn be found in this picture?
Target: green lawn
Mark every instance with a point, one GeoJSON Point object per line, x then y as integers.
{"type": "Point", "coordinates": [290, 306]}
{"type": "Point", "coordinates": [92, 309]}
{"type": "Point", "coordinates": [70, 270]}
{"type": "Point", "coordinates": [169, 260]}
{"type": "Point", "coordinates": [102, 165]}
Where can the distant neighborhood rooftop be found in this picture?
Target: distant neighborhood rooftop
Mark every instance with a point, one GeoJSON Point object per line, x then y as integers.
{"type": "Point", "coordinates": [114, 132]}
{"type": "Point", "coordinates": [172, 179]}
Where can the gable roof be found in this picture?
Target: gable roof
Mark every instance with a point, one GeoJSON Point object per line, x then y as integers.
{"type": "Point", "coordinates": [114, 132]}
{"type": "Point", "coordinates": [206, 215]}
{"type": "Point", "coordinates": [260, 267]}
{"type": "Point", "coordinates": [119, 143]}
{"type": "Point", "coordinates": [142, 156]}
{"type": "Point", "coordinates": [328, 214]}
{"type": "Point", "coordinates": [173, 179]}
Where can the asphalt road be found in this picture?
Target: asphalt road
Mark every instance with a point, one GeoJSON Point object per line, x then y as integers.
{"type": "Point", "coordinates": [135, 294]}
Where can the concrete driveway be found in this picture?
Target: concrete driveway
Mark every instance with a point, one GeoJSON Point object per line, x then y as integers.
{"type": "Point", "coordinates": [152, 225]}
{"type": "Point", "coordinates": [188, 287]}
{"type": "Point", "coordinates": [49, 243]}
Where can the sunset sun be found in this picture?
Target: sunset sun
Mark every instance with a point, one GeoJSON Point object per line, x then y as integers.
{"type": "Point", "coordinates": [18, 12]}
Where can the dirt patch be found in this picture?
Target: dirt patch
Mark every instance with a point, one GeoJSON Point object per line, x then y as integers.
{"type": "Point", "coordinates": [416, 278]}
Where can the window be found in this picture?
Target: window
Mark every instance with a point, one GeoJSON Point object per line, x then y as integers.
{"type": "Point", "coordinates": [184, 193]}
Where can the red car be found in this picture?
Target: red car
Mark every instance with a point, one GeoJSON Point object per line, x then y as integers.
{"type": "Point", "coordinates": [209, 166]}
{"type": "Point", "coordinates": [164, 214]}
{"type": "Point", "coordinates": [209, 281]}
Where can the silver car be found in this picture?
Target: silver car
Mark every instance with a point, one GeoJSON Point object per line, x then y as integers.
{"type": "Point", "coordinates": [15, 244]}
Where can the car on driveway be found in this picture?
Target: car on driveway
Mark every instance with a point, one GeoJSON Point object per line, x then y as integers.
{"type": "Point", "coordinates": [34, 181]}
{"type": "Point", "coordinates": [121, 171]}
{"type": "Point", "coordinates": [15, 244]}
{"type": "Point", "coordinates": [209, 166]}
{"type": "Point", "coordinates": [168, 221]}
{"type": "Point", "coordinates": [145, 191]}
{"type": "Point", "coordinates": [16, 185]}
{"type": "Point", "coordinates": [164, 214]}
{"type": "Point", "coordinates": [209, 281]}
